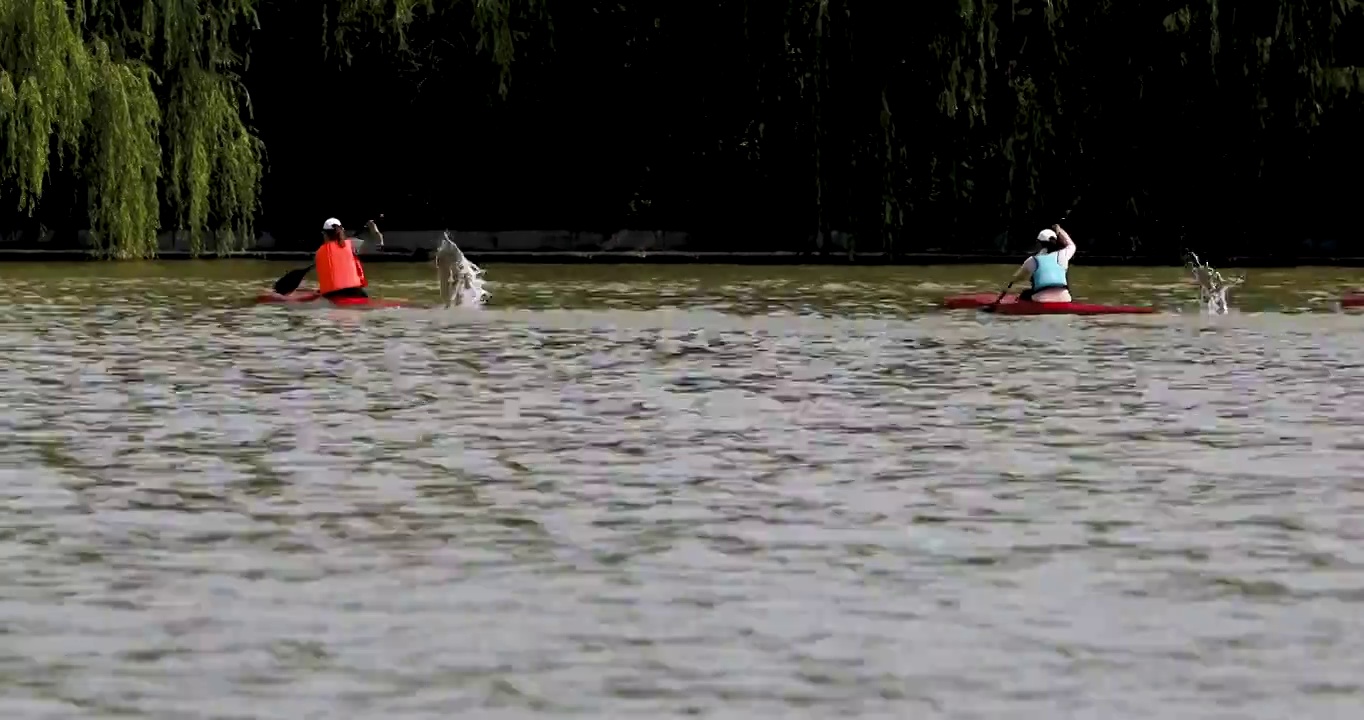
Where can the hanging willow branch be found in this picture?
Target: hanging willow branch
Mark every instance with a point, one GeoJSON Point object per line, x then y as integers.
{"type": "Point", "coordinates": [46, 78]}
{"type": "Point", "coordinates": [990, 98]}
{"type": "Point", "coordinates": [125, 158]}
{"type": "Point", "coordinates": [126, 95]}
{"type": "Point", "coordinates": [493, 21]}
{"type": "Point", "coordinates": [215, 161]}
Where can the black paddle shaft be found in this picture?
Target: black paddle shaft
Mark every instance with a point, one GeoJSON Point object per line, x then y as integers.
{"type": "Point", "coordinates": [291, 280]}
{"type": "Point", "coordinates": [1066, 215]}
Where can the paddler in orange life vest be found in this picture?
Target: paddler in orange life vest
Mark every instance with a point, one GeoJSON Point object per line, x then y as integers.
{"type": "Point", "coordinates": [339, 273]}
{"type": "Point", "coordinates": [1048, 267]}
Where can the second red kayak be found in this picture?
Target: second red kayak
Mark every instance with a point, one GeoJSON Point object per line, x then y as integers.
{"type": "Point", "coordinates": [306, 297]}
{"type": "Point", "coordinates": [1352, 300]}
{"type": "Point", "coordinates": [1011, 305]}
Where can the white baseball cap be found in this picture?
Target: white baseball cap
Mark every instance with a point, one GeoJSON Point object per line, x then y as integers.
{"type": "Point", "coordinates": [1046, 236]}
{"type": "Point", "coordinates": [333, 223]}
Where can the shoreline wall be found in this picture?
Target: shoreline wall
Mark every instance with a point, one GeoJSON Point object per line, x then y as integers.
{"type": "Point", "coordinates": [416, 247]}
{"type": "Point", "coordinates": [644, 247]}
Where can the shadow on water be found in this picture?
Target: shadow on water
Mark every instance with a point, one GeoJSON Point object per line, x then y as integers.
{"type": "Point", "coordinates": [710, 491]}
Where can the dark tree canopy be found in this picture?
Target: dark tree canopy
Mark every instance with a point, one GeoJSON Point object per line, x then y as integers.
{"type": "Point", "coordinates": [913, 126]}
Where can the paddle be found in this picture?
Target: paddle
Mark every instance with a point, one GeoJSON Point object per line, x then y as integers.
{"type": "Point", "coordinates": [995, 305]}
{"type": "Point", "coordinates": [294, 278]}
{"type": "Point", "coordinates": [291, 280]}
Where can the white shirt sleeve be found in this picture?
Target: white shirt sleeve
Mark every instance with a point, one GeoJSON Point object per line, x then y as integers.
{"type": "Point", "coordinates": [1064, 255]}
{"type": "Point", "coordinates": [358, 242]}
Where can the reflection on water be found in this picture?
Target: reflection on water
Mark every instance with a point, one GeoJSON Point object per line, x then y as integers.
{"type": "Point", "coordinates": [680, 493]}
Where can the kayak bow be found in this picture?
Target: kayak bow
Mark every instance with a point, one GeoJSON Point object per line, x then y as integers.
{"type": "Point", "coordinates": [1352, 300]}
{"type": "Point", "coordinates": [1011, 305]}
{"type": "Point", "coordinates": [305, 297]}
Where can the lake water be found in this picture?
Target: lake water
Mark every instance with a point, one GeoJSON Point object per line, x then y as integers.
{"type": "Point", "coordinates": [677, 491]}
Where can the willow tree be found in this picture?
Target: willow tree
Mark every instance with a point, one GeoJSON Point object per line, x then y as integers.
{"type": "Point", "coordinates": [1040, 82]}
{"type": "Point", "coordinates": [1010, 109]}
{"type": "Point", "coordinates": [142, 101]}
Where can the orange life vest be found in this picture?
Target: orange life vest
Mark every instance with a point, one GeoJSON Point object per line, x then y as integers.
{"type": "Point", "coordinates": [338, 268]}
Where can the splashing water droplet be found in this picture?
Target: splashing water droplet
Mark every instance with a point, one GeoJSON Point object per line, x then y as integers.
{"type": "Point", "coordinates": [1212, 286]}
{"type": "Point", "coordinates": [460, 279]}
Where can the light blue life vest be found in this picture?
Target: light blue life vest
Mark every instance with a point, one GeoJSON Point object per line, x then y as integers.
{"type": "Point", "coordinates": [1049, 273]}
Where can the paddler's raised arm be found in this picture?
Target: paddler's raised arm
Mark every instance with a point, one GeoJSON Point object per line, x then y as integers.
{"type": "Point", "coordinates": [1067, 250]}
{"type": "Point", "coordinates": [1060, 233]}
{"type": "Point", "coordinates": [362, 244]}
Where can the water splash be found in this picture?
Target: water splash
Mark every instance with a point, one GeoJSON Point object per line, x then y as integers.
{"type": "Point", "coordinates": [1212, 287]}
{"type": "Point", "coordinates": [461, 281]}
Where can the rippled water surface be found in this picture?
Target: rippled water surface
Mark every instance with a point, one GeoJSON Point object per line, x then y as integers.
{"type": "Point", "coordinates": [653, 492]}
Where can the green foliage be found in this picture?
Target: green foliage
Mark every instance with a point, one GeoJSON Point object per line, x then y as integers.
{"type": "Point", "coordinates": [125, 158]}
{"type": "Point", "coordinates": [140, 98]}
{"type": "Point", "coordinates": [493, 23]}
{"type": "Point", "coordinates": [1030, 83]}
{"type": "Point", "coordinates": [46, 79]}
{"type": "Point", "coordinates": [941, 103]}
{"type": "Point", "coordinates": [215, 164]}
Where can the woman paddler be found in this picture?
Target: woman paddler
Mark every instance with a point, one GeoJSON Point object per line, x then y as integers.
{"type": "Point", "coordinates": [339, 272]}
{"type": "Point", "coordinates": [1047, 267]}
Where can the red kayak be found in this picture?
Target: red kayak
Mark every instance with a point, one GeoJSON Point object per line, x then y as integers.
{"type": "Point", "coordinates": [1011, 305]}
{"type": "Point", "coordinates": [1352, 300]}
{"type": "Point", "coordinates": [304, 297]}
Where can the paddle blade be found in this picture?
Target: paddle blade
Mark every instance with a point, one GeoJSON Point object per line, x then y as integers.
{"type": "Point", "coordinates": [291, 280]}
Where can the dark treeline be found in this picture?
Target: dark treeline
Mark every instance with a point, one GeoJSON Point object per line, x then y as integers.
{"type": "Point", "coordinates": [1234, 128]}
